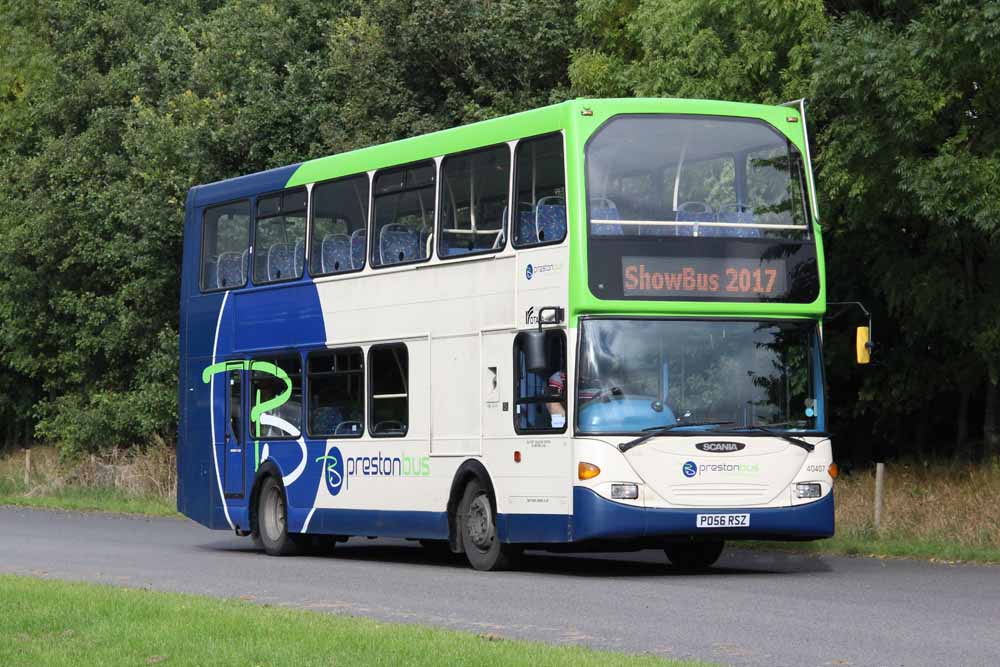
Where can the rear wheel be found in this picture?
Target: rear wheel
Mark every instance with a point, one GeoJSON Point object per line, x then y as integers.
{"type": "Point", "coordinates": [272, 520]}
{"type": "Point", "coordinates": [694, 555]}
{"type": "Point", "coordinates": [477, 521]}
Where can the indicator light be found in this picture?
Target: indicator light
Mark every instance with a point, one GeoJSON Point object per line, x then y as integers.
{"type": "Point", "coordinates": [833, 470]}
{"type": "Point", "coordinates": [517, 457]}
{"type": "Point", "coordinates": [587, 470]}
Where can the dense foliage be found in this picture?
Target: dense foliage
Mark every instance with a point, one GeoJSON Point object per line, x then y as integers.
{"type": "Point", "coordinates": [110, 111]}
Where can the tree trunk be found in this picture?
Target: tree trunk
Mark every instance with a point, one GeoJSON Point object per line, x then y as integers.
{"type": "Point", "coordinates": [991, 418]}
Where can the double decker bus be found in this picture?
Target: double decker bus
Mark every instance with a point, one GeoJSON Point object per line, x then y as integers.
{"type": "Point", "coordinates": [594, 325]}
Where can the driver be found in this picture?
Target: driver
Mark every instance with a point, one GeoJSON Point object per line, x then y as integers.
{"type": "Point", "coordinates": [557, 387]}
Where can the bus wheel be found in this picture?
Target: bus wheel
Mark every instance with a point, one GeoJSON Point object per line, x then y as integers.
{"type": "Point", "coordinates": [477, 521]}
{"type": "Point", "coordinates": [272, 520]}
{"type": "Point", "coordinates": [694, 555]}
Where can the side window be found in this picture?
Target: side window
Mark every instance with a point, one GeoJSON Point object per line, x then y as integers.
{"type": "Point", "coordinates": [336, 393]}
{"type": "Point", "coordinates": [540, 192]}
{"type": "Point", "coordinates": [388, 367]}
{"type": "Point", "coordinates": [540, 391]}
{"type": "Point", "coordinates": [225, 245]}
{"type": "Point", "coordinates": [340, 226]}
{"type": "Point", "coordinates": [268, 383]}
{"type": "Point", "coordinates": [403, 214]}
{"type": "Point", "coordinates": [474, 202]}
{"type": "Point", "coordinates": [279, 237]}
{"type": "Point", "coordinates": [775, 190]}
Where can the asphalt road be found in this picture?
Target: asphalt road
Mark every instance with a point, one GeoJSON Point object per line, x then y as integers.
{"type": "Point", "coordinates": [753, 608]}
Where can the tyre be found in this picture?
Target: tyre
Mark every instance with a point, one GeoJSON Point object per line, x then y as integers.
{"type": "Point", "coordinates": [694, 555]}
{"type": "Point", "coordinates": [272, 520]}
{"type": "Point", "coordinates": [477, 521]}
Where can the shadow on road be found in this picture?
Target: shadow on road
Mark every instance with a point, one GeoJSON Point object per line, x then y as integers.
{"type": "Point", "coordinates": [630, 565]}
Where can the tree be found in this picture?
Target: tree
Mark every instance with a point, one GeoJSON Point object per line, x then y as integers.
{"type": "Point", "coordinates": [910, 160]}
{"type": "Point", "coordinates": [711, 49]}
{"type": "Point", "coordinates": [110, 112]}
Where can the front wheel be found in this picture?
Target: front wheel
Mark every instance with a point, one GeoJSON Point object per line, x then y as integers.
{"type": "Point", "coordinates": [272, 520]}
{"type": "Point", "coordinates": [694, 555]}
{"type": "Point", "coordinates": [477, 521]}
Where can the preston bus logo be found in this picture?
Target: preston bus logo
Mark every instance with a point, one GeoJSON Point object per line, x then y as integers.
{"type": "Point", "coordinates": [720, 447]}
{"type": "Point", "coordinates": [333, 470]}
{"type": "Point", "coordinates": [528, 272]}
{"type": "Point", "coordinates": [690, 469]}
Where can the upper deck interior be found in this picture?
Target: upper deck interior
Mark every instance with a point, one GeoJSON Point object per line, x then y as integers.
{"type": "Point", "coordinates": [605, 226]}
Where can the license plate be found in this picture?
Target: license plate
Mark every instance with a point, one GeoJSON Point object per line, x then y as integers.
{"type": "Point", "coordinates": [722, 521]}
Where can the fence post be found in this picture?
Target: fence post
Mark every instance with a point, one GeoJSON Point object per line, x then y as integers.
{"type": "Point", "coordinates": [879, 487]}
{"type": "Point", "coordinates": [27, 469]}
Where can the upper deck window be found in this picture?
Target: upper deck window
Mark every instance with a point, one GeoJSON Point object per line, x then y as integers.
{"type": "Point", "coordinates": [340, 224]}
{"type": "Point", "coordinates": [540, 191]}
{"type": "Point", "coordinates": [658, 175]}
{"type": "Point", "coordinates": [225, 246]}
{"type": "Point", "coordinates": [279, 241]}
{"type": "Point", "coordinates": [403, 214]}
{"type": "Point", "coordinates": [474, 192]}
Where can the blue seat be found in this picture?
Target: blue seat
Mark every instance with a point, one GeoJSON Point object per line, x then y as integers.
{"type": "Point", "coordinates": [736, 213]}
{"type": "Point", "coordinates": [398, 243]}
{"type": "Point", "coordinates": [359, 238]}
{"type": "Point", "coordinates": [550, 219]}
{"type": "Point", "coordinates": [231, 271]}
{"type": "Point", "coordinates": [335, 253]}
{"type": "Point", "coordinates": [694, 211]}
{"type": "Point", "coordinates": [604, 209]}
{"type": "Point", "coordinates": [527, 234]}
{"type": "Point", "coordinates": [280, 263]}
{"type": "Point", "coordinates": [326, 420]}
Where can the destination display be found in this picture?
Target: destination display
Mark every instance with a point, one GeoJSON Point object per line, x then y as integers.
{"type": "Point", "coordinates": [704, 277]}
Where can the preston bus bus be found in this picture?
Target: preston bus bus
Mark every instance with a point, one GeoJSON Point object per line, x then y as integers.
{"type": "Point", "coordinates": [594, 325]}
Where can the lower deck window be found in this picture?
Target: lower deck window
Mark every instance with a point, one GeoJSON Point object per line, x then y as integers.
{"type": "Point", "coordinates": [279, 380]}
{"type": "Point", "coordinates": [336, 393]}
{"type": "Point", "coordinates": [388, 366]}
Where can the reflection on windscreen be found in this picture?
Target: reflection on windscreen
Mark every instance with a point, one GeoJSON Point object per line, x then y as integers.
{"type": "Point", "coordinates": [637, 374]}
{"type": "Point", "coordinates": [694, 176]}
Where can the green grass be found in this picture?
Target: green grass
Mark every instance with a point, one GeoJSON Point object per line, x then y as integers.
{"type": "Point", "coordinates": [89, 500]}
{"type": "Point", "coordinates": [884, 547]}
{"type": "Point", "coordinates": [47, 622]}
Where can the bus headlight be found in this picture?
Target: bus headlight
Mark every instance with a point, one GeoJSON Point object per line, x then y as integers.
{"type": "Point", "coordinates": [808, 490]}
{"type": "Point", "coordinates": [624, 491]}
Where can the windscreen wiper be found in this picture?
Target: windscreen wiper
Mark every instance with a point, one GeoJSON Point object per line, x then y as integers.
{"type": "Point", "coordinates": [784, 436]}
{"type": "Point", "coordinates": [654, 431]}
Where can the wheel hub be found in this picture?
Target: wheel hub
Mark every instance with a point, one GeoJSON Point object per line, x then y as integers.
{"type": "Point", "coordinates": [274, 515]}
{"type": "Point", "coordinates": [480, 522]}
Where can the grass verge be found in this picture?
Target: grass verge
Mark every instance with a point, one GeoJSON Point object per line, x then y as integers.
{"type": "Point", "coordinates": [140, 481]}
{"type": "Point", "coordinates": [90, 500]}
{"type": "Point", "coordinates": [939, 512]}
{"type": "Point", "coordinates": [878, 547]}
{"type": "Point", "coordinates": [56, 623]}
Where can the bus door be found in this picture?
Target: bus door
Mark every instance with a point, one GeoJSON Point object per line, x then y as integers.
{"type": "Point", "coordinates": [234, 438]}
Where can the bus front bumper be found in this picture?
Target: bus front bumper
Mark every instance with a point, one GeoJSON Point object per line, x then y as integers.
{"type": "Point", "coordinates": [597, 518]}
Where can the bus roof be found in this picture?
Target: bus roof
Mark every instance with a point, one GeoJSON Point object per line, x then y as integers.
{"type": "Point", "coordinates": [546, 119]}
